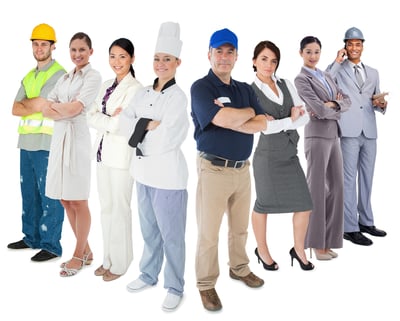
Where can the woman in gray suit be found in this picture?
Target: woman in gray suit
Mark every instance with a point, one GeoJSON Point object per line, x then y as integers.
{"type": "Point", "coordinates": [325, 102]}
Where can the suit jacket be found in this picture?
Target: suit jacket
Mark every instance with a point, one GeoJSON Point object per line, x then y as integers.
{"type": "Point", "coordinates": [323, 120]}
{"type": "Point", "coordinates": [361, 115]}
{"type": "Point", "coordinates": [115, 149]}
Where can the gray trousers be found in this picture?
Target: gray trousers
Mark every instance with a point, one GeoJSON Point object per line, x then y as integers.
{"type": "Point", "coordinates": [359, 156]}
{"type": "Point", "coordinates": [325, 181]}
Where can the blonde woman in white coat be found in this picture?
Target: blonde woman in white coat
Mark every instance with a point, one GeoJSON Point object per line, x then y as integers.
{"type": "Point", "coordinates": [113, 155]}
{"type": "Point", "coordinates": [156, 123]}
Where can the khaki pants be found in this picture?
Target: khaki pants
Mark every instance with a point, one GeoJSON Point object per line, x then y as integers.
{"type": "Point", "coordinates": [221, 190]}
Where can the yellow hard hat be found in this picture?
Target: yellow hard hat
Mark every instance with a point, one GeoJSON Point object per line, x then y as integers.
{"type": "Point", "coordinates": [43, 32]}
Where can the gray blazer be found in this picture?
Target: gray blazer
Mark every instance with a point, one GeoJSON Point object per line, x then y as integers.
{"type": "Point", "coordinates": [323, 120]}
{"type": "Point", "coordinates": [361, 115]}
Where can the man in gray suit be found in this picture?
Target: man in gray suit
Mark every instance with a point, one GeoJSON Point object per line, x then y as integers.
{"type": "Point", "coordinates": [359, 134]}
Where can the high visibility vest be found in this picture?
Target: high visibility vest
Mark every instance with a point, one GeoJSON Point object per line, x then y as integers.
{"type": "Point", "coordinates": [33, 83]}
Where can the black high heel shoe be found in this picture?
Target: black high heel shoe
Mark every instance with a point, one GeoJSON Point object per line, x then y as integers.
{"type": "Point", "coordinates": [307, 267]}
{"type": "Point", "coordinates": [269, 267]}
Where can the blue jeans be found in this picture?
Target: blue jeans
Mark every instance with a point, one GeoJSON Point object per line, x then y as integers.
{"type": "Point", "coordinates": [42, 217]}
{"type": "Point", "coordinates": [162, 215]}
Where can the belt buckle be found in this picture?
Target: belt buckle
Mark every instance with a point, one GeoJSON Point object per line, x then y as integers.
{"type": "Point", "coordinates": [238, 164]}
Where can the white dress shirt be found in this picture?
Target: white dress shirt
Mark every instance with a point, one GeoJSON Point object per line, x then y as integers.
{"type": "Point", "coordinates": [277, 125]}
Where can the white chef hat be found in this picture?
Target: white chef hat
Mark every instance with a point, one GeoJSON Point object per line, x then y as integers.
{"type": "Point", "coordinates": [168, 39]}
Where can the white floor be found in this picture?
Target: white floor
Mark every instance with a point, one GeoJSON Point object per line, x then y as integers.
{"type": "Point", "coordinates": [361, 283]}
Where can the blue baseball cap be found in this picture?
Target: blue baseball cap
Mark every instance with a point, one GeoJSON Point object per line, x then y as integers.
{"type": "Point", "coordinates": [223, 36]}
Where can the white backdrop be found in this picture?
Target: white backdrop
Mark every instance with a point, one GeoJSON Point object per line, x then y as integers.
{"type": "Point", "coordinates": [362, 283]}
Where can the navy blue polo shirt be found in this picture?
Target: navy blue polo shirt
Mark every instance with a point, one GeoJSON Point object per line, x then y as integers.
{"type": "Point", "coordinates": [213, 139]}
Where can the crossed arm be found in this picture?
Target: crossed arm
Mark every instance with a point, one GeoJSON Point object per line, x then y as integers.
{"type": "Point", "coordinates": [58, 111]}
{"type": "Point", "coordinates": [243, 120]}
{"type": "Point", "coordinates": [28, 106]}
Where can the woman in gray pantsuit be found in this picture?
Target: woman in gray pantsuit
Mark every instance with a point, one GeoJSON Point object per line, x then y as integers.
{"type": "Point", "coordinates": [325, 102]}
{"type": "Point", "coordinates": [280, 182]}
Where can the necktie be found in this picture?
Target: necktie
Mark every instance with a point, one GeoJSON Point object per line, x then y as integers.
{"type": "Point", "coordinates": [107, 95]}
{"type": "Point", "coordinates": [359, 78]}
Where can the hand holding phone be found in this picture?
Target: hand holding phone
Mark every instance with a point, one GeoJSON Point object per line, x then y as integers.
{"type": "Point", "coordinates": [340, 55]}
{"type": "Point", "coordinates": [344, 51]}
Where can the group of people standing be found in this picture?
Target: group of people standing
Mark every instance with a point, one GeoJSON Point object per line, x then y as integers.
{"type": "Point", "coordinates": [139, 135]}
{"type": "Point", "coordinates": [140, 131]}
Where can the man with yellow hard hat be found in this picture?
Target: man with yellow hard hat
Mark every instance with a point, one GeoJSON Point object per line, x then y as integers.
{"type": "Point", "coordinates": [42, 217]}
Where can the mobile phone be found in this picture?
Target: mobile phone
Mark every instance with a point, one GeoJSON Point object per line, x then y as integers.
{"type": "Point", "coordinates": [344, 54]}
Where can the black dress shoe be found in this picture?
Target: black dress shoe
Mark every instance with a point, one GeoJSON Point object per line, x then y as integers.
{"type": "Point", "coordinates": [372, 230]}
{"type": "Point", "coordinates": [357, 238]}
{"type": "Point", "coordinates": [42, 256]}
{"type": "Point", "coordinates": [18, 245]}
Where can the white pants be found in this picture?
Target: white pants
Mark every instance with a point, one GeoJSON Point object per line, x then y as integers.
{"type": "Point", "coordinates": [115, 194]}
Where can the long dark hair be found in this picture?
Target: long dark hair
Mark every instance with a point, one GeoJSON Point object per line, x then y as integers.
{"type": "Point", "coordinates": [127, 45]}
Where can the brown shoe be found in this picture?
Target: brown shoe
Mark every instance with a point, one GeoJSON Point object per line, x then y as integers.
{"type": "Point", "coordinates": [251, 280]}
{"type": "Point", "coordinates": [108, 276]}
{"type": "Point", "coordinates": [100, 271]}
{"type": "Point", "coordinates": [210, 300]}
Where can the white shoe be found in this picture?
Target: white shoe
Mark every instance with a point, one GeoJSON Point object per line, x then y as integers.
{"type": "Point", "coordinates": [137, 285]}
{"type": "Point", "coordinates": [171, 302]}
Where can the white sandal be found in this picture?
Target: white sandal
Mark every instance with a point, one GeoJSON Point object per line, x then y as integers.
{"type": "Point", "coordinates": [85, 258]}
{"type": "Point", "coordinates": [71, 272]}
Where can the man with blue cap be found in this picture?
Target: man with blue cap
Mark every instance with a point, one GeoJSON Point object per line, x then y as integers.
{"type": "Point", "coordinates": [225, 114]}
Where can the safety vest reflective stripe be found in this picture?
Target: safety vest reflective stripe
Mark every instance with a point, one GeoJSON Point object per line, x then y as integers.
{"type": "Point", "coordinates": [36, 126]}
{"type": "Point", "coordinates": [37, 122]}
